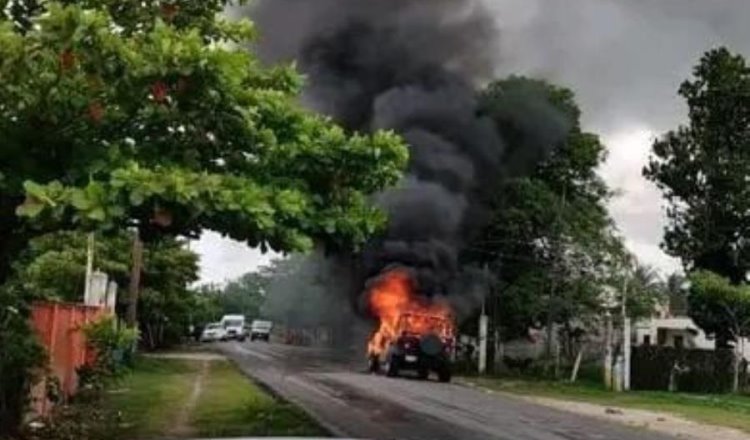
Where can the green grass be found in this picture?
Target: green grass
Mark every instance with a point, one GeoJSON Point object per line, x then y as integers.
{"type": "Point", "coordinates": [149, 397]}
{"type": "Point", "coordinates": [231, 406]}
{"type": "Point", "coordinates": [723, 410]}
{"type": "Point", "coordinates": [154, 395]}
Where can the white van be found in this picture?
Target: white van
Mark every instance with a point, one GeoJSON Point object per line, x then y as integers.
{"type": "Point", "coordinates": [234, 325]}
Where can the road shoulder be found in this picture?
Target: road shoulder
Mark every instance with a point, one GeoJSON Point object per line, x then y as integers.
{"type": "Point", "coordinates": [662, 422]}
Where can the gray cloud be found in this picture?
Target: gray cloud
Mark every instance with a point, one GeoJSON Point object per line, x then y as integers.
{"type": "Point", "coordinates": [624, 58]}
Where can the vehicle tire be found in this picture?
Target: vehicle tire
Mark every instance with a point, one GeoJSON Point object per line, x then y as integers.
{"type": "Point", "coordinates": [391, 369]}
{"type": "Point", "coordinates": [252, 338]}
{"type": "Point", "coordinates": [444, 373]}
{"type": "Point", "coordinates": [423, 373]}
{"type": "Point", "coordinates": [374, 365]}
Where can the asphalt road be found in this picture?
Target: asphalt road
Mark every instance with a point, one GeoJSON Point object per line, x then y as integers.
{"type": "Point", "coordinates": [352, 403]}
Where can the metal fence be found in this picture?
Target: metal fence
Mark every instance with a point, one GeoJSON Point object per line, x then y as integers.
{"type": "Point", "coordinates": [59, 327]}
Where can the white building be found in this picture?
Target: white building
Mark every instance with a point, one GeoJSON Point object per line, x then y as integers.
{"type": "Point", "coordinates": [678, 332]}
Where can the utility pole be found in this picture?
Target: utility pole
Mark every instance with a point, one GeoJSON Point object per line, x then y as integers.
{"type": "Point", "coordinates": [608, 350]}
{"type": "Point", "coordinates": [89, 268]}
{"type": "Point", "coordinates": [625, 336]}
{"type": "Point", "coordinates": [483, 321]}
{"type": "Point", "coordinates": [131, 318]}
{"type": "Point", "coordinates": [556, 251]}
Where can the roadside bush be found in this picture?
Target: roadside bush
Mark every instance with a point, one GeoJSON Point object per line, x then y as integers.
{"type": "Point", "coordinates": [21, 356]}
{"type": "Point", "coordinates": [81, 420]}
{"type": "Point", "coordinates": [113, 346]}
{"type": "Point", "coordinates": [704, 371]}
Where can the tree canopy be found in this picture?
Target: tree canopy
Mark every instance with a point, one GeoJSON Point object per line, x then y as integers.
{"type": "Point", "coordinates": [157, 116]}
{"type": "Point", "coordinates": [153, 115]}
{"type": "Point", "coordinates": [702, 169]}
{"type": "Point", "coordinates": [244, 295]}
{"type": "Point", "coordinates": [550, 237]}
{"type": "Point", "coordinates": [54, 268]}
{"type": "Point", "coordinates": [719, 307]}
{"type": "Point", "coordinates": [722, 309]}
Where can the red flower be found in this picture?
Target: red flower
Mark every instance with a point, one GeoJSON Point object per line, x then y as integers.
{"type": "Point", "coordinates": [159, 91]}
{"type": "Point", "coordinates": [162, 217]}
{"type": "Point", "coordinates": [168, 11]}
{"type": "Point", "coordinates": [67, 59]}
{"type": "Point", "coordinates": [96, 111]}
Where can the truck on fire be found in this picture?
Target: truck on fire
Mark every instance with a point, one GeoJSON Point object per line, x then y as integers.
{"type": "Point", "coordinates": [420, 342]}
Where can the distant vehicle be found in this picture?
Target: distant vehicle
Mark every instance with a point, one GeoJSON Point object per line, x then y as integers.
{"type": "Point", "coordinates": [213, 332]}
{"type": "Point", "coordinates": [261, 330]}
{"type": "Point", "coordinates": [425, 344]}
{"type": "Point", "coordinates": [234, 325]}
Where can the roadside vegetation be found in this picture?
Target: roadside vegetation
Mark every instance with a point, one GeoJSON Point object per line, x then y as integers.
{"type": "Point", "coordinates": [159, 399]}
{"type": "Point", "coordinates": [179, 398]}
{"type": "Point", "coordinates": [232, 406]}
{"type": "Point", "coordinates": [148, 400]}
{"type": "Point", "coordinates": [151, 121]}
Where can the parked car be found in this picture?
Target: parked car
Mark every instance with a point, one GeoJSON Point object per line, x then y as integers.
{"type": "Point", "coordinates": [214, 332]}
{"type": "Point", "coordinates": [261, 330]}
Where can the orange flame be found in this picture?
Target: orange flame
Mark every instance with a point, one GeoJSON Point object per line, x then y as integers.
{"type": "Point", "coordinates": [391, 298]}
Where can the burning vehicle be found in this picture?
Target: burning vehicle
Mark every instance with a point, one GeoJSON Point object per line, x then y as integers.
{"type": "Point", "coordinates": [414, 67]}
{"type": "Point", "coordinates": [414, 332]}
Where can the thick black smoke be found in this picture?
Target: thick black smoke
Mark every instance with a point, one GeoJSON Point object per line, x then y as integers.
{"type": "Point", "coordinates": [415, 66]}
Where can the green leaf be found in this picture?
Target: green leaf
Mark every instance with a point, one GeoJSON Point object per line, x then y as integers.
{"type": "Point", "coordinates": [97, 214]}
{"type": "Point", "coordinates": [79, 200]}
{"type": "Point", "coordinates": [136, 198]}
{"type": "Point", "coordinates": [30, 208]}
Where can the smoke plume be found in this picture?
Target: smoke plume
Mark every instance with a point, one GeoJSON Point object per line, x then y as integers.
{"type": "Point", "coordinates": [415, 66]}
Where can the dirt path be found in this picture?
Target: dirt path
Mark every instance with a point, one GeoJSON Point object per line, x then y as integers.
{"type": "Point", "coordinates": [180, 427]}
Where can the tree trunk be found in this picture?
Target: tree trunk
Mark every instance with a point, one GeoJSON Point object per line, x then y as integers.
{"type": "Point", "coordinates": [673, 378]}
{"type": "Point", "coordinates": [736, 366]}
{"type": "Point", "coordinates": [557, 359]}
{"type": "Point", "coordinates": [160, 337]}
{"type": "Point", "coordinates": [135, 280]}
{"type": "Point", "coordinates": [150, 335]}
{"type": "Point", "coordinates": [577, 364]}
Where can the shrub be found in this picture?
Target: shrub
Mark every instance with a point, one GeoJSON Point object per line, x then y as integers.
{"type": "Point", "coordinates": [113, 346]}
{"type": "Point", "coordinates": [704, 371]}
{"type": "Point", "coordinates": [21, 356]}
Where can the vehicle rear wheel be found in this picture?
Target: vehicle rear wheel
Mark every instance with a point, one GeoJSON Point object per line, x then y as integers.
{"type": "Point", "coordinates": [391, 370]}
{"type": "Point", "coordinates": [444, 373]}
{"type": "Point", "coordinates": [374, 364]}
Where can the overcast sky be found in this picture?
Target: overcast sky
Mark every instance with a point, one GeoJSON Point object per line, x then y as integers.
{"type": "Point", "coordinates": [625, 60]}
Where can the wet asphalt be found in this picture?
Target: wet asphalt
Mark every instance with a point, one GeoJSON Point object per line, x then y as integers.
{"type": "Point", "coordinates": [351, 403]}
